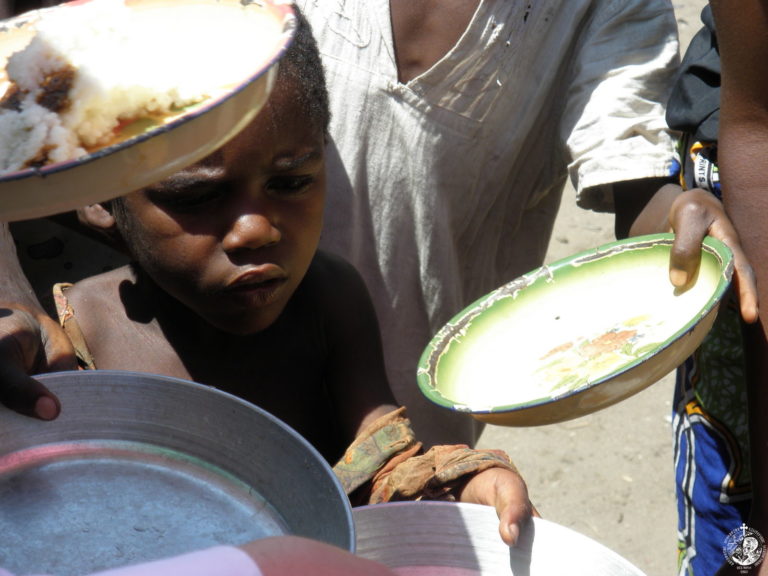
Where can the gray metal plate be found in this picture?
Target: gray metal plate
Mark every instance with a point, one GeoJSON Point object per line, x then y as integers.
{"type": "Point", "coordinates": [119, 478]}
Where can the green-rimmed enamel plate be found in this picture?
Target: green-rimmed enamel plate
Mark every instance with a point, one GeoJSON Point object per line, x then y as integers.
{"type": "Point", "coordinates": [574, 336]}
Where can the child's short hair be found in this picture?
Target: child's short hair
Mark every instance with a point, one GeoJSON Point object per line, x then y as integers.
{"type": "Point", "coordinates": [302, 63]}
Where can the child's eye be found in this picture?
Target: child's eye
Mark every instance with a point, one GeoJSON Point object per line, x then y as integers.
{"type": "Point", "coordinates": [190, 198]}
{"type": "Point", "coordinates": [289, 185]}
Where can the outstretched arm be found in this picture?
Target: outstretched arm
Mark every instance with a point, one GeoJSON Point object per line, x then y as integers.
{"type": "Point", "coordinates": [273, 556]}
{"type": "Point", "coordinates": [386, 462]}
{"type": "Point", "coordinates": [295, 556]}
{"type": "Point", "coordinates": [742, 28]}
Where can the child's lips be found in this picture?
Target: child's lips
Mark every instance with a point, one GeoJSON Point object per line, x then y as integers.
{"type": "Point", "coordinates": [255, 275]}
{"type": "Point", "coordinates": [261, 283]}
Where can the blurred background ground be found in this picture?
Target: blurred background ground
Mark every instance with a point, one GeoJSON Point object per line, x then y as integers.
{"type": "Point", "coordinates": [607, 475]}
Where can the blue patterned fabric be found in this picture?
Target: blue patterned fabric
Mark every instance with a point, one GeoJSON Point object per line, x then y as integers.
{"type": "Point", "coordinates": [712, 465]}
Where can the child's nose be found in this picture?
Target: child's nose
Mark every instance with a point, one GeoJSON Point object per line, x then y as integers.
{"type": "Point", "coordinates": [251, 231]}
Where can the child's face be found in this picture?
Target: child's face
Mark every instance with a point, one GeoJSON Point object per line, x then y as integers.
{"type": "Point", "coordinates": [232, 236]}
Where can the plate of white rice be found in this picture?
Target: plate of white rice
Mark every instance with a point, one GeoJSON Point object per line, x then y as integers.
{"type": "Point", "coordinates": [99, 98]}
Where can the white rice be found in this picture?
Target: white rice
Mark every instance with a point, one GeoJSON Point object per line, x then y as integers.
{"type": "Point", "coordinates": [130, 63]}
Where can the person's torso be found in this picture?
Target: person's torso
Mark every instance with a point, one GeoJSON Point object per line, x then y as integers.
{"type": "Point", "coordinates": [434, 172]}
{"type": "Point", "coordinates": [281, 369]}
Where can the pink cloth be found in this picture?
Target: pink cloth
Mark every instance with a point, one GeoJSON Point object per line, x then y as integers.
{"type": "Point", "coordinates": [216, 561]}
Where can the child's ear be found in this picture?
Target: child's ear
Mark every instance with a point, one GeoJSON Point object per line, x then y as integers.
{"type": "Point", "coordinates": [98, 218]}
{"type": "Point", "coordinates": [100, 223]}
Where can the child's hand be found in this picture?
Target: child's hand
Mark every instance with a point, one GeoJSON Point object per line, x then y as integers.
{"type": "Point", "coordinates": [505, 490]}
{"type": "Point", "coordinates": [692, 215]}
{"type": "Point", "coordinates": [29, 345]}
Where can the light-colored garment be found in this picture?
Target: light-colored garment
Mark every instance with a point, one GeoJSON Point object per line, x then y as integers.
{"type": "Point", "coordinates": [216, 561]}
{"type": "Point", "coordinates": [446, 187]}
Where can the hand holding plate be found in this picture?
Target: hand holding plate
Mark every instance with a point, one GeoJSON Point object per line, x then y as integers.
{"type": "Point", "coordinates": [505, 490]}
{"type": "Point", "coordinates": [693, 215]}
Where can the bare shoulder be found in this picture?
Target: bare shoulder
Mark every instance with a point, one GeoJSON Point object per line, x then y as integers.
{"type": "Point", "coordinates": [101, 286]}
{"type": "Point", "coordinates": [98, 297]}
{"type": "Point", "coordinates": [119, 325]}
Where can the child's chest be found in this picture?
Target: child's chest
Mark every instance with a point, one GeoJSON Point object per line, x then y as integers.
{"type": "Point", "coordinates": [283, 370]}
{"type": "Point", "coordinates": [284, 376]}
{"type": "Point", "coordinates": [424, 32]}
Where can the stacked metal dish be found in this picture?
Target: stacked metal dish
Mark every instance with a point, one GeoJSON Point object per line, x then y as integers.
{"type": "Point", "coordinates": [139, 467]}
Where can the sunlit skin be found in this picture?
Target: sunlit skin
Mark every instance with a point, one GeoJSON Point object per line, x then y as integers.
{"type": "Point", "coordinates": [425, 31]}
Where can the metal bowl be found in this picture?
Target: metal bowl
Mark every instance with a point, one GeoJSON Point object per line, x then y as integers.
{"type": "Point", "coordinates": [575, 336]}
{"type": "Point", "coordinates": [164, 149]}
{"type": "Point", "coordinates": [457, 539]}
{"type": "Point", "coordinates": [139, 467]}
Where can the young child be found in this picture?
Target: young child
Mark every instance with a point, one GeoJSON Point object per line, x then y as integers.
{"type": "Point", "coordinates": [227, 288]}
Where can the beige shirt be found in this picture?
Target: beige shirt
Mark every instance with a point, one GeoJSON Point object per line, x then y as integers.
{"type": "Point", "coordinates": [444, 188]}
